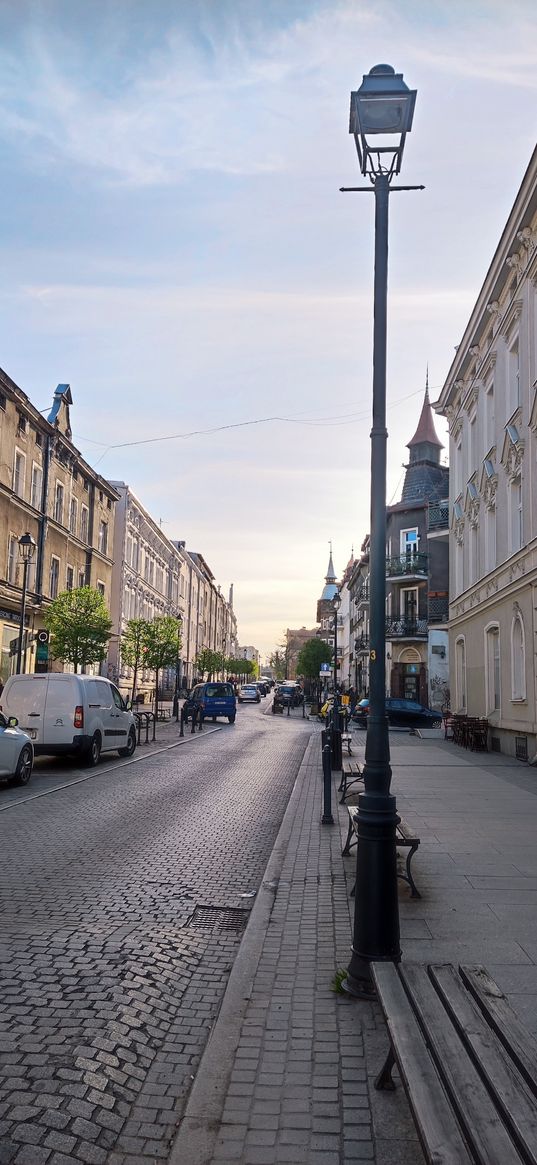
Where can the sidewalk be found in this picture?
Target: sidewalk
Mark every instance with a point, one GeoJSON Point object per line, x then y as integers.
{"type": "Point", "coordinates": [287, 1073]}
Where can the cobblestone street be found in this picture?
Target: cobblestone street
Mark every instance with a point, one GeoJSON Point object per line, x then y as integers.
{"type": "Point", "coordinates": [124, 898]}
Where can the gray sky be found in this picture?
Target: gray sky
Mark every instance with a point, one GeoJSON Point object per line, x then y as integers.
{"type": "Point", "coordinates": [174, 245]}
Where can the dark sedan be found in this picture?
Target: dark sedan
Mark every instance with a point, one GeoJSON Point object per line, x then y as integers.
{"type": "Point", "coordinates": [401, 714]}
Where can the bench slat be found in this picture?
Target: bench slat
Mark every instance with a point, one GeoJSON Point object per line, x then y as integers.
{"type": "Point", "coordinates": [468, 1094]}
{"type": "Point", "coordinates": [435, 1120]}
{"type": "Point", "coordinates": [508, 1027]}
{"type": "Point", "coordinates": [515, 1103]}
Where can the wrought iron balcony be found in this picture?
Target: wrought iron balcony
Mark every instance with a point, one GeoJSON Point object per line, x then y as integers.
{"type": "Point", "coordinates": [361, 644]}
{"type": "Point", "coordinates": [414, 566]}
{"type": "Point", "coordinates": [362, 595]}
{"type": "Point", "coordinates": [437, 516]}
{"type": "Point", "coordinates": [438, 609]}
{"type": "Point", "coordinates": [406, 628]}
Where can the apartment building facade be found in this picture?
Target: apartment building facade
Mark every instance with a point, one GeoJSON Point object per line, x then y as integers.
{"type": "Point", "coordinates": [48, 490]}
{"type": "Point", "coordinates": [490, 401]}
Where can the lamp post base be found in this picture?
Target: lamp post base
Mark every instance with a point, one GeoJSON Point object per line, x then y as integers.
{"type": "Point", "coordinates": [376, 916]}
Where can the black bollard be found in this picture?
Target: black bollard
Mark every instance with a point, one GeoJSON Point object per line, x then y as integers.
{"type": "Point", "coordinates": [182, 724]}
{"type": "Point", "coordinates": [327, 818]}
{"type": "Point", "coordinates": [194, 718]}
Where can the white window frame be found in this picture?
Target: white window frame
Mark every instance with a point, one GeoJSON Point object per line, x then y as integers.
{"type": "Point", "coordinates": [54, 579]}
{"type": "Point", "coordinates": [515, 515]}
{"type": "Point", "coordinates": [411, 545]}
{"type": "Point", "coordinates": [103, 537]}
{"type": "Point", "coordinates": [72, 570]}
{"type": "Point", "coordinates": [492, 656]}
{"type": "Point", "coordinates": [84, 524]}
{"type": "Point", "coordinates": [460, 674]}
{"type": "Point", "coordinates": [490, 539]}
{"type": "Point", "coordinates": [36, 486]}
{"type": "Point", "coordinates": [81, 577]}
{"type": "Point", "coordinates": [12, 559]}
{"type": "Point", "coordinates": [73, 514]}
{"type": "Point", "coordinates": [59, 502]}
{"type": "Point", "coordinates": [19, 473]}
{"type": "Point", "coordinates": [518, 660]}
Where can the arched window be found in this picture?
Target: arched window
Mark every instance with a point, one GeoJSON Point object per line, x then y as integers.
{"type": "Point", "coordinates": [518, 659]}
{"type": "Point", "coordinates": [492, 668]}
{"type": "Point", "coordinates": [460, 675]}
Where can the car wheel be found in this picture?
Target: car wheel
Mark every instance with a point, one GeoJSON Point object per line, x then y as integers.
{"type": "Point", "coordinates": [436, 724]}
{"type": "Point", "coordinates": [93, 754]}
{"type": "Point", "coordinates": [23, 772]}
{"type": "Point", "coordinates": [131, 744]}
{"type": "Point", "coordinates": [231, 719]}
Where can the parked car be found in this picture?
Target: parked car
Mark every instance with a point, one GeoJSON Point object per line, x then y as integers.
{"type": "Point", "coordinates": [65, 713]}
{"type": "Point", "coordinates": [249, 692]}
{"type": "Point", "coordinates": [16, 752]}
{"type": "Point", "coordinates": [289, 693]}
{"type": "Point", "coordinates": [212, 699]}
{"type": "Point", "coordinates": [262, 687]}
{"type": "Point", "coordinates": [401, 714]}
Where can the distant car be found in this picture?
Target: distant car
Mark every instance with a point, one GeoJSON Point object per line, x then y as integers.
{"type": "Point", "coordinates": [249, 693]}
{"type": "Point", "coordinates": [401, 714]}
{"type": "Point", "coordinates": [16, 752]}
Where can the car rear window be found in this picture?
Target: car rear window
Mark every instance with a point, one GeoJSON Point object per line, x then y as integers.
{"type": "Point", "coordinates": [219, 690]}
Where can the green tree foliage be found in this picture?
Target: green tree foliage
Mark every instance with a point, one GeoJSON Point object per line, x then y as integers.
{"type": "Point", "coordinates": [133, 647]}
{"type": "Point", "coordinates": [311, 656]}
{"type": "Point", "coordinates": [80, 627]}
{"type": "Point", "coordinates": [162, 646]}
{"type": "Point", "coordinates": [207, 661]}
{"type": "Point", "coordinates": [278, 664]}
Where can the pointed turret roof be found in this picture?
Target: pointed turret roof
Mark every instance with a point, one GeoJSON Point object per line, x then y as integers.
{"type": "Point", "coordinates": [330, 579]}
{"type": "Point", "coordinates": [425, 430]}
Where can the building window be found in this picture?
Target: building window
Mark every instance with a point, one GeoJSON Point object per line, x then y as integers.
{"type": "Point", "coordinates": [518, 659]}
{"type": "Point", "coordinates": [516, 532]}
{"type": "Point", "coordinates": [409, 543]}
{"type": "Point", "coordinates": [460, 675]}
{"type": "Point", "coordinates": [490, 538]}
{"type": "Point", "coordinates": [84, 524]}
{"type": "Point", "coordinates": [101, 588]}
{"type": "Point", "coordinates": [514, 377]}
{"type": "Point", "coordinates": [492, 675]}
{"type": "Point", "coordinates": [19, 473]}
{"type": "Point", "coordinates": [489, 415]}
{"type": "Point", "coordinates": [2, 402]}
{"type": "Point", "coordinates": [54, 577]}
{"type": "Point", "coordinates": [21, 429]}
{"type": "Point", "coordinates": [82, 578]}
{"type": "Point", "coordinates": [73, 515]}
{"type": "Point", "coordinates": [58, 502]}
{"type": "Point", "coordinates": [37, 487]}
{"type": "Point", "coordinates": [12, 559]}
{"type": "Point", "coordinates": [103, 537]}
{"type": "Point", "coordinates": [69, 578]}
{"type": "Point", "coordinates": [473, 554]}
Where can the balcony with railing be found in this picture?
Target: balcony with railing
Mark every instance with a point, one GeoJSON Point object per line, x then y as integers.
{"type": "Point", "coordinates": [437, 516]}
{"type": "Point", "coordinates": [361, 597]}
{"type": "Point", "coordinates": [407, 566]}
{"type": "Point", "coordinates": [361, 645]}
{"type": "Point", "coordinates": [438, 609]}
{"type": "Point", "coordinates": [406, 629]}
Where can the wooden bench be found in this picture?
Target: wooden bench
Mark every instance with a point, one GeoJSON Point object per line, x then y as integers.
{"type": "Point", "coordinates": [346, 738]}
{"type": "Point", "coordinates": [467, 1063]}
{"type": "Point", "coordinates": [405, 838]}
{"type": "Point", "coordinates": [351, 773]}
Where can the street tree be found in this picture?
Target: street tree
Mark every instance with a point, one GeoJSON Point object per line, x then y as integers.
{"type": "Point", "coordinates": [163, 642]}
{"type": "Point", "coordinates": [278, 664]}
{"type": "Point", "coordinates": [207, 661]}
{"type": "Point", "coordinates": [80, 627]}
{"type": "Point", "coordinates": [311, 656]}
{"type": "Point", "coordinates": [133, 647]}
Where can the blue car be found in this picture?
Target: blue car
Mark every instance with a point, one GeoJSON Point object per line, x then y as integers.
{"type": "Point", "coordinates": [212, 699]}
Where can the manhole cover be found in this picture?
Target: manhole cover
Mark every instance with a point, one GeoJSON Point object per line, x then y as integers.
{"type": "Point", "coordinates": [218, 918]}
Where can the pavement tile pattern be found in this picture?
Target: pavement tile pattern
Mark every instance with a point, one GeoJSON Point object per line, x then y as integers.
{"type": "Point", "coordinates": [109, 980]}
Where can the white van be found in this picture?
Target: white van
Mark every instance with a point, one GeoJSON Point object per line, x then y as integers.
{"type": "Point", "coordinates": [65, 713]}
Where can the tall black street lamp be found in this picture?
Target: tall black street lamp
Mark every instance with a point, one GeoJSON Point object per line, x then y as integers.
{"type": "Point", "coordinates": [336, 727]}
{"type": "Point", "coordinates": [175, 706]}
{"type": "Point", "coordinates": [383, 105]}
{"type": "Point", "coordinates": [27, 547]}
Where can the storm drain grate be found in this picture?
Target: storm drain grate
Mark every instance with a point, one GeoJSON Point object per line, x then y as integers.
{"type": "Point", "coordinates": [219, 918]}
